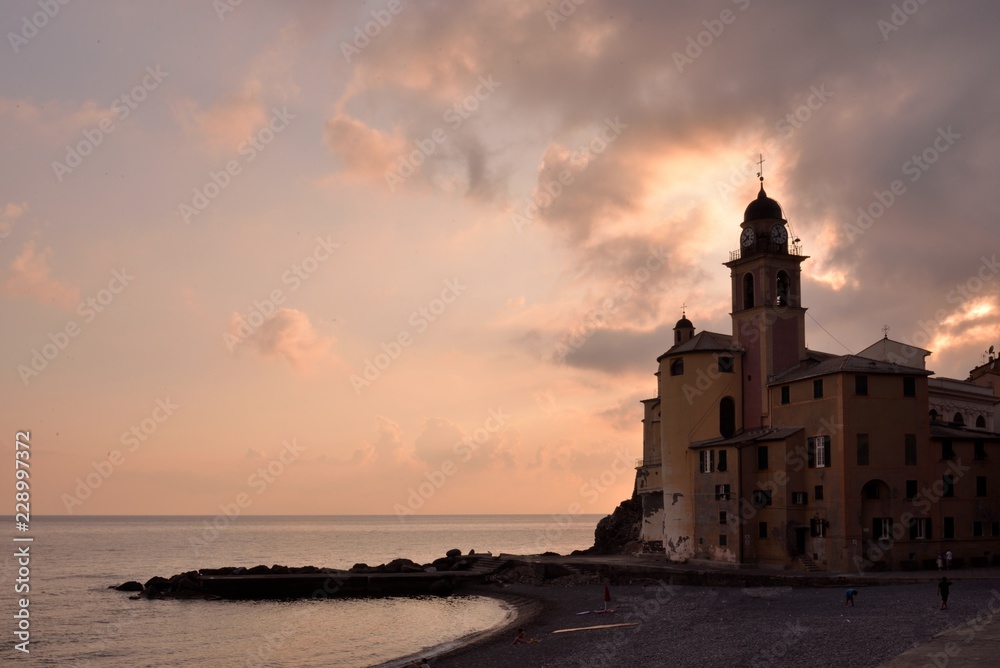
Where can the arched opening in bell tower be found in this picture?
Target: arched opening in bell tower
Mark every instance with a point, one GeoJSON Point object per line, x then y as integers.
{"type": "Point", "coordinates": [748, 291]}
{"type": "Point", "coordinates": [782, 289]}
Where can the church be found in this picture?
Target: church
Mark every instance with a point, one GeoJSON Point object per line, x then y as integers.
{"type": "Point", "coordinates": [759, 451]}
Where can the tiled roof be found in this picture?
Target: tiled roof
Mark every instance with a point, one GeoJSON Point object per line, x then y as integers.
{"type": "Point", "coordinates": [748, 437]}
{"type": "Point", "coordinates": [704, 342]}
{"type": "Point", "coordinates": [941, 430]}
{"type": "Point", "coordinates": [844, 364]}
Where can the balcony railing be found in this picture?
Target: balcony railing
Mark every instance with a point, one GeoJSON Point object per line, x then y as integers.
{"type": "Point", "coordinates": [764, 246]}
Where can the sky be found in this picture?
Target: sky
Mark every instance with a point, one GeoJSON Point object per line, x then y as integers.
{"type": "Point", "coordinates": [420, 258]}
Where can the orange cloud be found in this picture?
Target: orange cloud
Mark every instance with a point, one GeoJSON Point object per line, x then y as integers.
{"type": "Point", "coordinates": [367, 152]}
{"type": "Point", "coordinates": [228, 122]}
{"type": "Point", "coordinates": [29, 278]}
{"type": "Point", "coordinates": [288, 334]}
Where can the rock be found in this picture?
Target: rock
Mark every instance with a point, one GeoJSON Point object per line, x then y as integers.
{"type": "Point", "coordinates": [131, 585]}
{"type": "Point", "coordinates": [360, 568]}
{"type": "Point", "coordinates": [454, 553]}
{"type": "Point", "coordinates": [279, 570]}
{"type": "Point", "coordinates": [156, 583]}
{"type": "Point", "coordinates": [616, 531]}
{"type": "Point", "coordinates": [441, 588]}
{"type": "Point", "coordinates": [258, 570]}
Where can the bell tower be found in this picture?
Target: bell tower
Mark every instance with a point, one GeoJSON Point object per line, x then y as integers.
{"type": "Point", "coordinates": [768, 318]}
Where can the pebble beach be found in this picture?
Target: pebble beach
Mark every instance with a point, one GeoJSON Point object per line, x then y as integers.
{"type": "Point", "coordinates": [719, 626]}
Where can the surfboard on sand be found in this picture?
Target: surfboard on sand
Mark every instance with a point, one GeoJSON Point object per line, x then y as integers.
{"type": "Point", "coordinates": [599, 626]}
{"type": "Point", "coordinates": [595, 612]}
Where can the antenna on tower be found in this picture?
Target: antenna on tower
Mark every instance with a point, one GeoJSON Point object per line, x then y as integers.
{"type": "Point", "coordinates": [760, 168]}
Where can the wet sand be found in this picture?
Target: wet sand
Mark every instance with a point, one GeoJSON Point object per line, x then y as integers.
{"type": "Point", "coordinates": [719, 626]}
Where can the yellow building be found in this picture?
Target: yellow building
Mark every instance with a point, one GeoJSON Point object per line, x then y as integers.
{"type": "Point", "coordinates": [759, 451]}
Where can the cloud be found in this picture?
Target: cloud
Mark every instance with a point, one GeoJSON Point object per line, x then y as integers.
{"type": "Point", "coordinates": [367, 152]}
{"type": "Point", "coordinates": [8, 214]}
{"type": "Point", "coordinates": [227, 122]}
{"type": "Point", "coordinates": [29, 277]}
{"type": "Point", "coordinates": [287, 334]}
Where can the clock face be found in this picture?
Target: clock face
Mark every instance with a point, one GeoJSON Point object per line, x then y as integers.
{"type": "Point", "coordinates": [778, 234]}
{"type": "Point", "coordinates": [747, 237]}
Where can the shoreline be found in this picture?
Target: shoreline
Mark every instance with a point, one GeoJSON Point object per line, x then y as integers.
{"type": "Point", "coordinates": [521, 610]}
{"type": "Point", "coordinates": [711, 626]}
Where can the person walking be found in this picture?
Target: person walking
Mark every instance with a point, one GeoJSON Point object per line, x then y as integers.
{"type": "Point", "coordinates": [940, 563]}
{"type": "Point", "coordinates": [947, 560]}
{"type": "Point", "coordinates": [944, 587]}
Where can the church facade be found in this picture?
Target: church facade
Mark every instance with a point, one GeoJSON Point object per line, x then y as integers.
{"type": "Point", "coordinates": [759, 451]}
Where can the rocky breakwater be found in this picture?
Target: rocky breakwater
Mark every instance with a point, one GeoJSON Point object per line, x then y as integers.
{"type": "Point", "coordinates": [399, 577]}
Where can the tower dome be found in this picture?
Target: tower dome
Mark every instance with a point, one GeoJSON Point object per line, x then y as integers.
{"type": "Point", "coordinates": [763, 208]}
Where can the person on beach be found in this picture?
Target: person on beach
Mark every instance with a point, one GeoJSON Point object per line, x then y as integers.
{"type": "Point", "coordinates": [851, 593]}
{"type": "Point", "coordinates": [940, 563]}
{"type": "Point", "coordinates": [943, 589]}
{"type": "Point", "coordinates": [522, 638]}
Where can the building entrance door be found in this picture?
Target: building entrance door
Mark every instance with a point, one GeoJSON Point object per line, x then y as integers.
{"type": "Point", "coordinates": [800, 539]}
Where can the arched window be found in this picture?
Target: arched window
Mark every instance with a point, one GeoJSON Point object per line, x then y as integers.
{"type": "Point", "coordinates": [677, 367]}
{"type": "Point", "coordinates": [958, 419]}
{"type": "Point", "coordinates": [782, 289]}
{"type": "Point", "coordinates": [727, 417]}
{"type": "Point", "coordinates": [934, 415]}
{"type": "Point", "coordinates": [748, 291]}
{"type": "Point", "coordinates": [871, 490]}
{"type": "Point", "coordinates": [980, 422]}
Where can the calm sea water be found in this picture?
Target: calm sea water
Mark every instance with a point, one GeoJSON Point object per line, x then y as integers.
{"type": "Point", "coordinates": [77, 621]}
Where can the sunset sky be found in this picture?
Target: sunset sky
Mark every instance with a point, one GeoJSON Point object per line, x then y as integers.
{"type": "Point", "coordinates": [321, 258]}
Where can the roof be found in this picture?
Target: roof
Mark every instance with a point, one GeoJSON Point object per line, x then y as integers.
{"type": "Point", "coordinates": [748, 437]}
{"type": "Point", "coordinates": [763, 208]}
{"type": "Point", "coordinates": [941, 430]}
{"type": "Point", "coordinates": [815, 365]}
{"type": "Point", "coordinates": [704, 342]}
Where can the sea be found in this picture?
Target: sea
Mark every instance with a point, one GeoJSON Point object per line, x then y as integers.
{"type": "Point", "coordinates": [77, 621]}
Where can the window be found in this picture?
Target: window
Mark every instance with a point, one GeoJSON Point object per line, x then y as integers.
{"type": "Point", "coordinates": [723, 519]}
{"type": "Point", "coordinates": [977, 529]}
{"type": "Point", "coordinates": [818, 452]}
{"type": "Point", "coordinates": [817, 527]}
{"type": "Point", "coordinates": [911, 489]}
{"type": "Point", "coordinates": [747, 290]}
{"type": "Point", "coordinates": [862, 449]}
{"type": "Point", "coordinates": [980, 422]}
{"type": "Point", "coordinates": [861, 386]}
{"type": "Point", "coordinates": [722, 492]}
{"type": "Point", "coordinates": [706, 461]}
{"type": "Point", "coordinates": [996, 528]}
{"type": "Point", "coordinates": [909, 386]}
{"type": "Point", "coordinates": [871, 490]}
{"type": "Point", "coordinates": [881, 528]}
{"type": "Point", "coordinates": [949, 485]}
{"type": "Point", "coordinates": [677, 367]}
{"type": "Point", "coordinates": [762, 457]}
{"type": "Point", "coordinates": [980, 485]}
{"type": "Point", "coordinates": [910, 448]}
{"type": "Point", "coordinates": [727, 419]}
{"type": "Point", "coordinates": [799, 498]}
{"type": "Point", "coordinates": [818, 389]}
{"type": "Point", "coordinates": [761, 498]}
{"type": "Point", "coordinates": [934, 415]}
{"type": "Point", "coordinates": [979, 450]}
{"type": "Point", "coordinates": [818, 493]}
{"type": "Point", "coordinates": [782, 289]}
{"type": "Point", "coordinates": [947, 451]}
{"type": "Point", "coordinates": [722, 461]}
{"type": "Point", "coordinates": [722, 540]}
{"type": "Point", "coordinates": [920, 528]}
{"type": "Point", "coordinates": [762, 529]}
{"type": "Point", "coordinates": [786, 393]}
{"type": "Point", "coordinates": [949, 527]}
{"type": "Point", "coordinates": [958, 419]}
{"type": "Point", "coordinates": [725, 365]}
